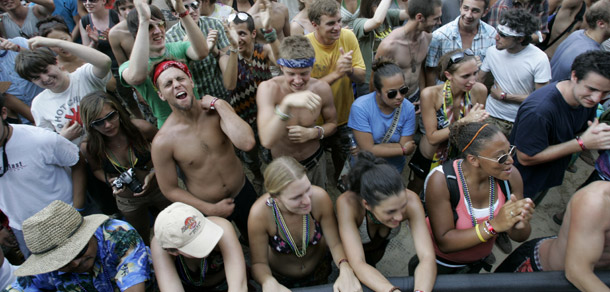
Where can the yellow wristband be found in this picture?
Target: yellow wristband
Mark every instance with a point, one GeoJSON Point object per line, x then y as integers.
{"type": "Point", "coordinates": [476, 227]}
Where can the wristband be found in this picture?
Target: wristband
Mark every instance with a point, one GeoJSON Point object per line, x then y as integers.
{"type": "Point", "coordinates": [342, 261]}
{"type": "Point", "coordinates": [503, 95]}
{"type": "Point", "coordinates": [183, 14]}
{"type": "Point", "coordinates": [320, 132]}
{"type": "Point", "coordinates": [490, 228]}
{"type": "Point", "coordinates": [213, 102]}
{"type": "Point", "coordinates": [581, 143]}
{"type": "Point", "coordinates": [476, 227]}
{"type": "Point", "coordinates": [270, 35]}
{"type": "Point", "coordinates": [404, 150]}
{"type": "Point", "coordinates": [283, 116]}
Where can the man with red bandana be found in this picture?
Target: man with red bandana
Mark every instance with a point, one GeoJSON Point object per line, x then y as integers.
{"type": "Point", "coordinates": [558, 120]}
{"type": "Point", "coordinates": [198, 138]}
{"type": "Point", "coordinates": [289, 106]}
{"type": "Point", "coordinates": [147, 25]}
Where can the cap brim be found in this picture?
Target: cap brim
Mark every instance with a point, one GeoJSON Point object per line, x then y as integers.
{"type": "Point", "coordinates": [205, 242]}
{"type": "Point", "coordinates": [53, 260]}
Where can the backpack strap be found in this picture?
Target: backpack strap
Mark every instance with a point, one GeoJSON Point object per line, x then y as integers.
{"type": "Point", "coordinates": [505, 187]}
{"type": "Point", "coordinates": [452, 186]}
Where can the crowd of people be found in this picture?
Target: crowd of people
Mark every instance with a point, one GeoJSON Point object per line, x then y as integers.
{"type": "Point", "coordinates": [182, 145]}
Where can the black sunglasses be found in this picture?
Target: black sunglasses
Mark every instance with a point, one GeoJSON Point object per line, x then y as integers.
{"type": "Point", "coordinates": [502, 157]}
{"type": "Point", "coordinates": [193, 5]}
{"type": "Point", "coordinates": [459, 56]}
{"type": "Point", "coordinates": [393, 92]}
{"type": "Point", "coordinates": [112, 116]}
{"type": "Point", "coordinates": [502, 35]}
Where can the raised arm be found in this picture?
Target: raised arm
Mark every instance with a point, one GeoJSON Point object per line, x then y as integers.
{"type": "Point", "coordinates": [136, 72]}
{"type": "Point", "coordinates": [589, 226]}
{"type": "Point", "coordinates": [273, 43]}
{"type": "Point", "coordinates": [114, 37]}
{"type": "Point", "coordinates": [238, 131]}
{"type": "Point", "coordinates": [101, 63]}
{"type": "Point", "coordinates": [379, 16]}
{"type": "Point", "coordinates": [199, 46]}
{"type": "Point", "coordinates": [43, 8]}
{"type": "Point", "coordinates": [347, 206]}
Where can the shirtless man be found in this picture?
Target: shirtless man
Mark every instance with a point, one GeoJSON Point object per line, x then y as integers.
{"type": "Point", "coordinates": [198, 137]}
{"type": "Point", "coordinates": [19, 20]}
{"type": "Point", "coordinates": [121, 40]}
{"type": "Point", "coordinates": [279, 21]}
{"type": "Point", "coordinates": [408, 45]}
{"type": "Point", "coordinates": [582, 245]}
{"type": "Point", "coordinates": [290, 104]}
{"type": "Point", "coordinates": [569, 18]}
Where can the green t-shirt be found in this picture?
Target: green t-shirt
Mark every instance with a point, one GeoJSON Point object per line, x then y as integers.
{"type": "Point", "coordinates": [159, 108]}
{"type": "Point", "coordinates": [369, 41]}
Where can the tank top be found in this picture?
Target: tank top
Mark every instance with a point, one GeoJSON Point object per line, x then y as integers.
{"type": "Point", "coordinates": [28, 29]}
{"type": "Point", "coordinates": [103, 45]}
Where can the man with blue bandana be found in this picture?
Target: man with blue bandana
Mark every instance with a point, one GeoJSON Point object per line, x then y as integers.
{"type": "Point", "coordinates": [289, 106]}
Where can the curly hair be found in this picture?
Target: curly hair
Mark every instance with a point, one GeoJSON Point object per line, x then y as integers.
{"type": "Point", "coordinates": [592, 61]}
{"type": "Point", "coordinates": [444, 61]}
{"type": "Point", "coordinates": [521, 21]}
{"type": "Point", "coordinates": [91, 106]}
{"type": "Point", "coordinates": [461, 134]}
{"type": "Point", "coordinates": [373, 179]}
{"type": "Point", "coordinates": [384, 67]}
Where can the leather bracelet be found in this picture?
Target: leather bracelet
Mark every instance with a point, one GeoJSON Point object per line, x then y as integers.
{"type": "Point", "coordinates": [183, 14]}
{"type": "Point", "coordinates": [581, 143]}
{"type": "Point", "coordinates": [213, 102]}
{"type": "Point", "coordinates": [342, 261]}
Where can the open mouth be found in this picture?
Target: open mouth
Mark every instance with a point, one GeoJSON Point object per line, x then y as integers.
{"type": "Point", "coordinates": [181, 95]}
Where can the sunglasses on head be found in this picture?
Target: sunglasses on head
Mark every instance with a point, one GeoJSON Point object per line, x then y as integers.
{"type": "Point", "coordinates": [242, 16]}
{"type": "Point", "coordinates": [502, 157]}
{"type": "Point", "coordinates": [111, 116]}
{"type": "Point", "coordinates": [193, 5]}
{"type": "Point", "coordinates": [459, 56]}
{"type": "Point", "coordinates": [393, 92]}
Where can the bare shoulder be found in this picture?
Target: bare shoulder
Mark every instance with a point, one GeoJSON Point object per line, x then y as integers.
{"type": "Point", "coordinates": [281, 7]}
{"type": "Point", "coordinates": [319, 87]}
{"type": "Point", "coordinates": [594, 199]}
{"type": "Point", "coordinates": [321, 202]}
{"type": "Point", "coordinates": [349, 201]}
{"type": "Point", "coordinates": [479, 90]}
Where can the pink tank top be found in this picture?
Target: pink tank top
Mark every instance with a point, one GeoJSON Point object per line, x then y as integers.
{"type": "Point", "coordinates": [464, 221]}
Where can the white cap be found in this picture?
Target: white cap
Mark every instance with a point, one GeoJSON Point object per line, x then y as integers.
{"type": "Point", "coordinates": [183, 227]}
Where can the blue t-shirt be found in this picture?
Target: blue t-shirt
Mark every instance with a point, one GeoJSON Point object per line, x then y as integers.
{"type": "Point", "coordinates": [365, 116]}
{"type": "Point", "coordinates": [575, 44]}
{"type": "Point", "coordinates": [122, 261]}
{"type": "Point", "coordinates": [545, 119]}
{"type": "Point", "coordinates": [67, 10]}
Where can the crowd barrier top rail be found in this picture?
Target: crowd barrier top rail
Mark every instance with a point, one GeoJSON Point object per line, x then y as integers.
{"type": "Point", "coordinates": [497, 282]}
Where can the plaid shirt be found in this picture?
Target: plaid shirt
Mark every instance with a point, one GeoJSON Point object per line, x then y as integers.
{"type": "Point", "coordinates": [206, 73]}
{"type": "Point", "coordinates": [540, 10]}
{"type": "Point", "coordinates": [447, 38]}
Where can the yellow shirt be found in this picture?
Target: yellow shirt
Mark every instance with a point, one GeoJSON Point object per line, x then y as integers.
{"type": "Point", "coordinates": [326, 60]}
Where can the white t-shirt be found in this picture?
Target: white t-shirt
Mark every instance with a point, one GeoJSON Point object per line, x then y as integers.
{"type": "Point", "coordinates": [6, 274]}
{"type": "Point", "coordinates": [515, 74]}
{"type": "Point", "coordinates": [53, 110]}
{"type": "Point", "coordinates": [38, 172]}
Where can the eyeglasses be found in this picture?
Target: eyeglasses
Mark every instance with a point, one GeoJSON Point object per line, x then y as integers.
{"type": "Point", "coordinates": [152, 25]}
{"type": "Point", "coordinates": [241, 15]}
{"type": "Point", "coordinates": [393, 92]}
{"type": "Point", "coordinates": [90, 1]}
{"type": "Point", "coordinates": [502, 157]}
{"type": "Point", "coordinates": [193, 5]}
{"type": "Point", "coordinates": [79, 255]}
{"type": "Point", "coordinates": [459, 56]}
{"type": "Point", "coordinates": [110, 117]}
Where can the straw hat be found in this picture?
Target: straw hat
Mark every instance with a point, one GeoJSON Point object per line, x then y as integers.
{"type": "Point", "coordinates": [183, 227]}
{"type": "Point", "coordinates": [4, 85]}
{"type": "Point", "coordinates": [54, 235]}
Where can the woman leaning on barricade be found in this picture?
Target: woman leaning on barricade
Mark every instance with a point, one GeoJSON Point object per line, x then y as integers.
{"type": "Point", "coordinates": [472, 199]}
{"type": "Point", "coordinates": [371, 213]}
{"type": "Point", "coordinates": [291, 230]}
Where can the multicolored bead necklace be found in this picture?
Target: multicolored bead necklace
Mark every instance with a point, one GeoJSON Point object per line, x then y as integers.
{"type": "Point", "coordinates": [281, 224]}
{"type": "Point", "coordinates": [203, 266]}
{"type": "Point", "coordinates": [467, 195]}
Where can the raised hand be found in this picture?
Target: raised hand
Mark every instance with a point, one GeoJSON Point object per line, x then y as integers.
{"type": "Point", "coordinates": [477, 114]}
{"type": "Point", "coordinates": [212, 38]}
{"type": "Point", "coordinates": [8, 45]}
{"type": "Point", "coordinates": [344, 63]}
{"type": "Point", "coordinates": [41, 42]}
{"type": "Point", "coordinates": [143, 10]}
{"type": "Point", "coordinates": [303, 99]}
{"type": "Point", "coordinates": [265, 14]}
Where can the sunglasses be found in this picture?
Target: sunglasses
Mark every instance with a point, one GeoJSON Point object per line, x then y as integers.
{"type": "Point", "coordinates": [111, 117]}
{"type": "Point", "coordinates": [242, 16]}
{"type": "Point", "coordinates": [393, 92]}
{"type": "Point", "coordinates": [90, 1]}
{"type": "Point", "coordinates": [79, 255]}
{"type": "Point", "coordinates": [193, 5]}
{"type": "Point", "coordinates": [152, 25]}
{"type": "Point", "coordinates": [502, 157]}
{"type": "Point", "coordinates": [459, 56]}
{"type": "Point", "coordinates": [502, 35]}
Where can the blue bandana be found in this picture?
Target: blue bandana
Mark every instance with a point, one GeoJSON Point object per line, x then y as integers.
{"type": "Point", "coordinates": [296, 63]}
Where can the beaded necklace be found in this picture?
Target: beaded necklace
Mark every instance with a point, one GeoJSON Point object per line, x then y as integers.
{"type": "Point", "coordinates": [467, 194]}
{"type": "Point", "coordinates": [115, 162]}
{"type": "Point", "coordinates": [281, 224]}
{"type": "Point", "coordinates": [372, 217]}
{"type": "Point", "coordinates": [203, 268]}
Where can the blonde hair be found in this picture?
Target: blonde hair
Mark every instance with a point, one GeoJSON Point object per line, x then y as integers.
{"type": "Point", "coordinates": [280, 173]}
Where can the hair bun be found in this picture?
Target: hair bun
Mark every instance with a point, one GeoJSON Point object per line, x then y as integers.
{"type": "Point", "coordinates": [381, 62]}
